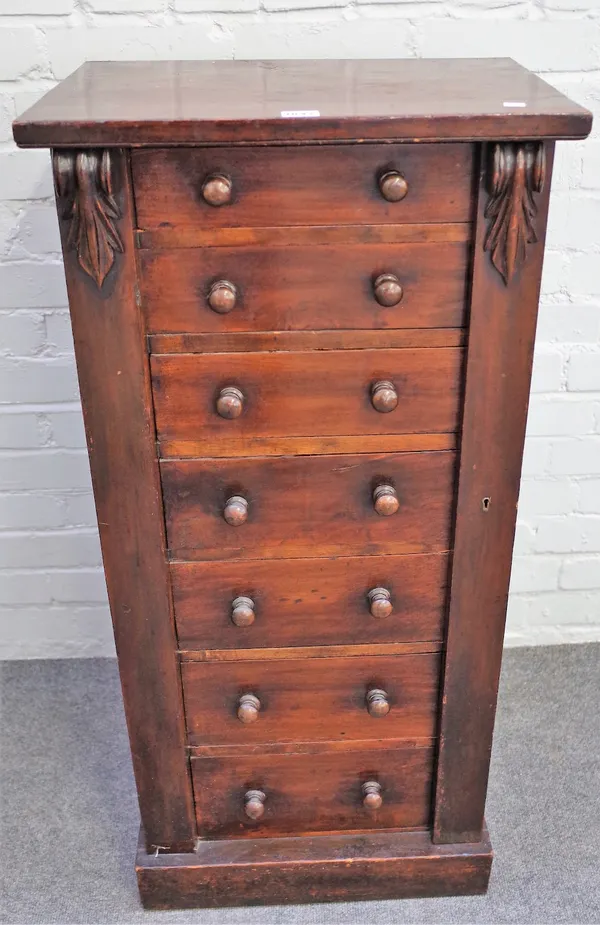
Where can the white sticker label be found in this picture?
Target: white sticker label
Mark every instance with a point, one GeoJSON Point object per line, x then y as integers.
{"type": "Point", "coordinates": [518, 104]}
{"type": "Point", "coordinates": [300, 113]}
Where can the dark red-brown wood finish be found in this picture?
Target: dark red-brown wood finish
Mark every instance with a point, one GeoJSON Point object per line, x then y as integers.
{"type": "Point", "coordinates": [512, 208]}
{"type": "Point", "coordinates": [304, 348]}
{"type": "Point", "coordinates": [288, 288]}
{"type": "Point", "coordinates": [310, 602]}
{"type": "Point", "coordinates": [95, 205]}
{"type": "Point", "coordinates": [342, 867]}
{"type": "Point", "coordinates": [167, 103]}
{"type": "Point", "coordinates": [303, 185]}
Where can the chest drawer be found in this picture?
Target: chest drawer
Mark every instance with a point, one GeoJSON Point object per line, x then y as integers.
{"type": "Point", "coordinates": [231, 399]}
{"type": "Point", "coordinates": [282, 795]}
{"type": "Point", "coordinates": [306, 506]}
{"type": "Point", "coordinates": [307, 185]}
{"type": "Point", "coordinates": [309, 602]}
{"type": "Point", "coordinates": [286, 288]}
{"type": "Point", "coordinates": [295, 700]}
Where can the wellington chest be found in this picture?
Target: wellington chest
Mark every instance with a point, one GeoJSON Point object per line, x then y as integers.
{"type": "Point", "coordinates": [304, 299]}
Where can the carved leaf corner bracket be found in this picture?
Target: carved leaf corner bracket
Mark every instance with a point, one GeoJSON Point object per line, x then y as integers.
{"type": "Point", "coordinates": [517, 171]}
{"type": "Point", "coordinates": [83, 183]}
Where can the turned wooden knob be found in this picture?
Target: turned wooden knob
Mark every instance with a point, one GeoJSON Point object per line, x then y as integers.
{"type": "Point", "coordinates": [371, 792]}
{"type": "Point", "coordinates": [384, 396]}
{"type": "Point", "coordinates": [387, 289]}
{"type": "Point", "coordinates": [242, 611]}
{"type": "Point", "coordinates": [248, 708]}
{"type": "Point", "coordinates": [216, 190]}
{"type": "Point", "coordinates": [380, 601]}
{"type": "Point", "coordinates": [230, 402]}
{"type": "Point", "coordinates": [222, 296]}
{"type": "Point", "coordinates": [254, 804]}
{"type": "Point", "coordinates": [393, 186]}
{"type": "Point", "coordinates": [377, 702]}
{"type": "Point", "coordinates": [385, 500]}
{"type": "Point", "coordinates": [236, 511]}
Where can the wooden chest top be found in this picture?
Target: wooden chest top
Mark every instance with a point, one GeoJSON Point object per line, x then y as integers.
{"type": "Point", "coordinates": [137, 103]}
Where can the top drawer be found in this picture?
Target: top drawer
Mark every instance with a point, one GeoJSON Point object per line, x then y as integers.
{"type": "Point", "coordinates": [311, 185]}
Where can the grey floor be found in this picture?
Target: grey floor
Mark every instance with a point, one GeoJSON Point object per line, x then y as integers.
{"type": "Point", "coordinates": [69, 818]}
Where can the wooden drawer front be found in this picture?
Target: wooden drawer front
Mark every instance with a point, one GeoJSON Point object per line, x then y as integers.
{"type": "Point", "coordinates": [309, 602]}
{"type": "Point", "coordinates": [303, 506]}
{"type": "Point", "coordinates": [309, 185]}
{"type": "Point", "coordinates": [311, 699]}
{"type": "Point", "coordinates": [315, 393]}
{"type": "Point", "coordinates": [304, 288]}
{"type": "Point", "coordinates": [313, 793]}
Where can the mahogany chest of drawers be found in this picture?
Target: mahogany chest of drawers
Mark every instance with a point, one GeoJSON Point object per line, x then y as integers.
{"type": "Point", "coordinates": [304, 300]}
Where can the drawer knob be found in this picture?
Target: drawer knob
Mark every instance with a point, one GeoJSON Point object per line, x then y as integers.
{"type": "Point", "coordinates": [393, 186]}
{"type": "Point", "coordinates": [384, 396]}
{"type": "Point", "coordinates": [377, 702]}
{"type": "Point", "coordinates": [242, 611]}
{"type": "Point", "coordinates": [222, 297]}
{"type": "Point", "coordinates": [387, 289]}
{"type": "Point", "coordinates": [254, 804]}
{"type": "Point", "coordinates": [371, 792]}
{"type": "Point", "coordinates": [236, 511]}
{"type": "Point", "coordinates": [380, 601]}
{"type": "Point", "coordinates": [385, 500]}
{"type": "Point", "coordinates": [230, 402]}
{"type": "Point", "coordinates": [248, 708]}
{"type": "Point", "coordinates": [216, 190]}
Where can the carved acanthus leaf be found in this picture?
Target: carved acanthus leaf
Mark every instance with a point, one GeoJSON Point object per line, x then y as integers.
{"type": "Point", "coordinates": [517, 171]}
{"type": "Point", "coordinates": [84, 185]}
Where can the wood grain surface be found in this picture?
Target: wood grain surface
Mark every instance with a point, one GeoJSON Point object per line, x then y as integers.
{"type": "Point", "coordinates": [312, 185]}
{"type": "Point", "coordinates": [320, 747]}
{"type": "Point", "coordinates": [311, 699]}
{"type": "Point", "coordinates": [294, 652]}
{"type": "Point", "coordinates": [495, 414]}
{"type": "Point", "coordinates": [247, 341]}
{"type": "Point", "coordinates": [344, 867]}
{"type": "Point", "coordinates": [307, 393]}
{"type": "Point", "coordinates": [241, 102]}
{"type": "Point", "coordinates": [304, 288]}
{"type": "Point", "coordinates": [313, 793]}
{"type": "Point", "coordinates": [194, 236]}
{"type": "Point", "coordinates": [309, 446]}
{"type": "Point", "coordinates": [302, 505]}
{"type": "Point", "coordinates": [309, 602]}
{"type": "Point", "coordinates": [114, 380]}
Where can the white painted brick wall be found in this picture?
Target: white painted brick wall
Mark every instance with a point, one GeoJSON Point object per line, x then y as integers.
{"type": "Point", "coordinates": [52, 595]}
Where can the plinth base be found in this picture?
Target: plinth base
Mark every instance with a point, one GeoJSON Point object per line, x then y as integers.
{"type": "Point", "coordinates": [319, 868]}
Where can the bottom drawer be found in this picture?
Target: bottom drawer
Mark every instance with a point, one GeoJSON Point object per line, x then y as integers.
{"type": "Point", "coordinates": [287, 794]}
